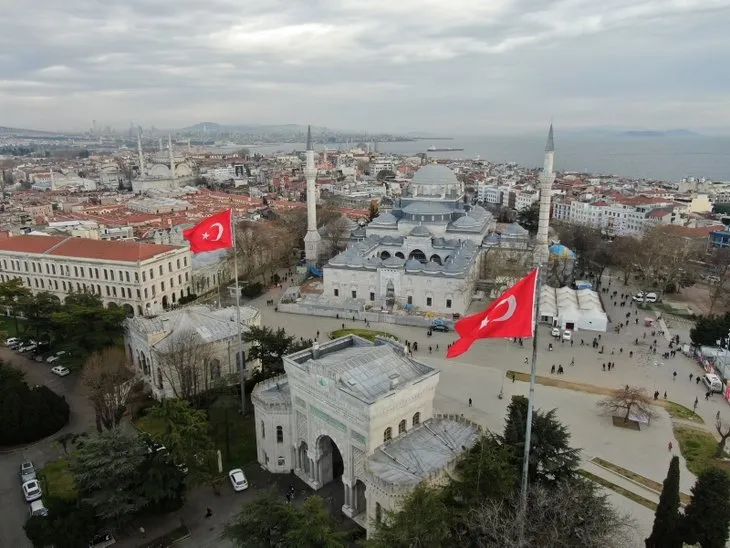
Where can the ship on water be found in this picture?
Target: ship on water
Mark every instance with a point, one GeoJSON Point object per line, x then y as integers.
{"type": "Point", "coordinates": [442, 149]}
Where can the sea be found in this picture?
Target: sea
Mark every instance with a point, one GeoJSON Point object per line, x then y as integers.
{"type": "Point", "coordinates": [654, 158]}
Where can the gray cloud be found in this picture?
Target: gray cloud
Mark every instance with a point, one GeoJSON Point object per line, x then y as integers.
{"type": "Point", "coordinates": [470, 66]}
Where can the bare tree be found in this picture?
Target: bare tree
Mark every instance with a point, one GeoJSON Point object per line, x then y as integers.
{"type": "Point", "coordinates": [338, 233]}
{"type": "Point", "coordinates": [723, 429]}
{"type": "Point", "coordinates": [188, 364]}
{"type": "Point", "coordinates": [109, 381]}
{"type": "Point", "coordinates": [720, 260]}
{"type": "Point", "coordinates": [625, 401]}
{"type": "Point", "coordinates": [572, 514]}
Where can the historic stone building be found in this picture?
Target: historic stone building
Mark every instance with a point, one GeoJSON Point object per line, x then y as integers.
{"type": "Point", "coordinates": [361, 413]}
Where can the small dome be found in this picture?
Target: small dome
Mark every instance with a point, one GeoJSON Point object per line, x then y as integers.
{"type": "Point", "coordinates": [384, 219]}
{"type": "Point", "coordinates": [394, 262]}
{"type": "Point", "coordinates": [466, 222]}
{"type": "Point", "coordinates": [355, 261]}
{"type": "Point", "coordinates": [413, 266]}
{"type": "Point", "coordinates": [434, 174]}
{"type": "Point", "coordinates": [340, 259]}
{"type": "Point", "coordinates": [433, 266]}
{"type": "Point", "coordinates": [420, 230]}
{"type": "Point", "coordinates": [372, 263]}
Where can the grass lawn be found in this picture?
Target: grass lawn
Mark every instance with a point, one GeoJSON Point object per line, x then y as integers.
{"type": "Point", "coordinates": [364, 333]}
{"type": "Point", "coordinates": [57, 481]}
{"type": "Point", "coordinates": [242, 435]}
{"type": "Point", "coordinates": [698, 448]}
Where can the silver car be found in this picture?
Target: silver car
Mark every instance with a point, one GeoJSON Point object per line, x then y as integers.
{"type": "Point", "coordinates": [27, 471]}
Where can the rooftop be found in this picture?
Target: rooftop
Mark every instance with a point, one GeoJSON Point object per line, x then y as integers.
{"type": "Point", "coordinates": [67, 246]}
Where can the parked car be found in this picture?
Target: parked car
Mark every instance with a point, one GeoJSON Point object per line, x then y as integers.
{"type": "Point", "coordinates": [55, 357]}
{"type": "Point", "coordinates": [567, 334]}
{"type": "Point", "coordinates": [38, 509]}
{"type": "Point", "coordinates": [27, 471]}
{"type": "Point", "coordinates": [238, 479]}
{"type": "Point", "coordinates": [32, 490]}
{"type": "Point", "coordinates": [440, 327]}
{"type": "Point", "coordinates": [713, 382]}
{"type": "Point", "coordinates": [28, 347]}
{"type": "Point", "coordinates": [60, 370]}
{"type": "Point", "coordinates": [555, 332]}
{"type": "Point", "coordinates": [648, 298]}
{"type": "Point", "coordinates": [11, 341]}
{"type": "Point", "coordinates": [102, 540]}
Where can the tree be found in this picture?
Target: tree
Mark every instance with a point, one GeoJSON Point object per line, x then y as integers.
{"type": "Point", "coordinates": [666, 530]}
{"type": "Point", "coordinates": [627, 401]}
{"type": "Point", "coordinates": [67, 438]}
{"type": "Point", "coordinates": [84, 326]}
{"type": "Point", "coordinates": [269, 346]}
{"type": "Point", "coordinates": [106, 472]}
{"type": "Point", "coordinates": [373, 210]}
{"type": "Point", "coordinates": [185, 435]}
{"type": "Point", "coordinates": [262, 523]}
{"type": "Point", "coordinates": [710, 329]}
{"type": "Point", "coordinates": [68, 525]}
{"type": "Point", "coordinates": [313, 527]}
{"type": "Point", "coordinates": [707, 516]}
{"type": "Point", "coordinates": [529, 217]}
{"type": "Point", "coordinates": [571, 514]}
{"type": "Point", "coordinates": [720, 261]}
{"type": "Point", "coordinates": [109, 382]}
{"type": "Point", "coordinates": [12, 292]}
{"type": "Point", "coordinates": [384, 175]}
{"type": "Point", "coordinates": [338, 233]}
{"type": "Point", "coordinates": [221, 415]}
{"type": "Point", "coordinates": [37, 310]}
{"type": "Point", "coordinates": [723, 429]}
{"type": "Point", "coordinates": [162, 483]}
{"type": "Point", "coordinates": [551, 457]}
{"type": "Point", "coordinates": [187, 363]}
{"type": "Point", "coordinates": [28, 414]}
{"type": "Point", "coordinates": [422, 520]}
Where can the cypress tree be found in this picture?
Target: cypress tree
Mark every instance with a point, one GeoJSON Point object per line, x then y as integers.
{"type": "Point", "coordinates": [707, 516]}
{"type": "Point", "coordinates": [666, 531]}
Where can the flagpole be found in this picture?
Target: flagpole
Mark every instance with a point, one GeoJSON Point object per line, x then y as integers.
{"type": "Point", "coordinates": [241, 355]}
{"type": "Point", "coordinates": [530, 404]}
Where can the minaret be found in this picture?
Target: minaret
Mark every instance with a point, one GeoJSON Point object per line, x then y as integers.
{"type": "Point", "coordinates": [312, 239]}
{"type": "Point", "coordinates": [547, 177]}
{"type": "Point", "coordinates": [141, 155]}
{"type": "Point", "coordinates": [172, 156]}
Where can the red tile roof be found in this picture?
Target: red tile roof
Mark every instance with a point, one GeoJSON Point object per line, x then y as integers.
{"type": "Point", "coordinates": [62, 246]}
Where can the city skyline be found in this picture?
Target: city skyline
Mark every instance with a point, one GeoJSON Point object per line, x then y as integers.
{"type": "Point", "coordinates": [462, 68]}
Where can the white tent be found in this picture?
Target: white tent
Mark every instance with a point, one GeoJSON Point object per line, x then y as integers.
{"type": "Point", "coordinates": [572, 309]}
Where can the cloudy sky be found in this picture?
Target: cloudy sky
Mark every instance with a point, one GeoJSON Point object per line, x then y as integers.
{"type": "Point", "coordinates": [457, 66]}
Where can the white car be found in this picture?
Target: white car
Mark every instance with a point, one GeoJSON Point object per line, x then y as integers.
{"type": "Point", "coordinates": [567, 334]}
{"type": "Point", "coordinates": [38, 509]}
{"type": "Point", "coordinates": [27, 471]}
{"type": "Point", "coordinates": [713, 383]}
{"type": "Point", "coordinates": [60, 370]}
{"type": "Point", "coordinates": [11, 341]}
{"type": "Point", "coordinates": [555, 332]}
{"type": "Point", "coordinates": [238, 479]}
{"type": "Point", "coordinates": [32, 490]}
{"type": "Point", "coordinates": [28, 347]}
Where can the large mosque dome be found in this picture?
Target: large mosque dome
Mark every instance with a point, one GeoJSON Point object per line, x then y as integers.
{"type": "Point", "coordinates": [434, 174]}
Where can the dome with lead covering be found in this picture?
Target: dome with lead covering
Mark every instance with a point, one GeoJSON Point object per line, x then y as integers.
{"type": "Point", "coordinates": [434, 174]}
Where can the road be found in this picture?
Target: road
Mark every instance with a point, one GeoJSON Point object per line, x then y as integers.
{"type": "Point", "coordinates": [15, 509]}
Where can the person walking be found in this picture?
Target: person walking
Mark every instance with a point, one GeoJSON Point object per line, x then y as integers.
{"type": "Point", "coordinates": [717, 417]}
{"type": "Point", "coordinates": [469, 402]}
{"type": "Point", "coordinates": [669, 446]}
{"type": "Point", "coordinates": [694, 408]}
{"type": "Point", "coordinates": [208, 512]}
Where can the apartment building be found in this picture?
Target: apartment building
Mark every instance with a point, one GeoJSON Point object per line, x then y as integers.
{"type": "Point", "coordinates": [143, 278]}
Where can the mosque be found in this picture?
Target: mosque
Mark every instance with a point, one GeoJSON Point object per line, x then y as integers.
{"type": "Point", "coordinates": [165, 170]}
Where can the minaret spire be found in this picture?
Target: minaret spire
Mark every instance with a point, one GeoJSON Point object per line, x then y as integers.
{"type": "Point", "coordinates": [172, 156]}
{"type": "Point", "coordinates": [140, 154]}
{"type": "Point", "coordinates": [547, 177]}
{"type": "Point", "coordinates": [312, 238]}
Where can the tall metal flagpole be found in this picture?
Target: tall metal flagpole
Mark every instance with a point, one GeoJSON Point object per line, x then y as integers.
{"type": "Point", "coordinates": [530, 404]}
{"type": "Point", "coordinates": [242, 356]}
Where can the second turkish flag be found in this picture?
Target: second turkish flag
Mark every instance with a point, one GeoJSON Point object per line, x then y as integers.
{"type": "Point", "coordinates": [214, 232]}
{"type": "Point", "coordinates": [510, 315]}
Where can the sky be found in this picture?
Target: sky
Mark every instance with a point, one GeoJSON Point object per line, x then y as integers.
{"type": "Point", "coordinates": [464, 67]}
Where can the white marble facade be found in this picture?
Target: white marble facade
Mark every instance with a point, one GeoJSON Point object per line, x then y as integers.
{"type": "Point", "coordinates": [341, 413]}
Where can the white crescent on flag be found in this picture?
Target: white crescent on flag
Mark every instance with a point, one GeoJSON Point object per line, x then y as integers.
{"type": "Point", "coordinates": [220, 231]}
{"type": "Point", "coordinates": [511, 307]}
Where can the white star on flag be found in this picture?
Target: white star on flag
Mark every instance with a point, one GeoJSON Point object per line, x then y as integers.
{"type": "Point", "coordinates": [206, 235]}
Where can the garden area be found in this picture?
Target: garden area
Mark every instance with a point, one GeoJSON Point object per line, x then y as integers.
{"type": "Point", "coordinates": [699, 448]}
{"type": "Point", "coordinates": [368, 334]}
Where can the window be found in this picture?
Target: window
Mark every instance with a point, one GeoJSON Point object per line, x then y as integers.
{"type": "Point", "coordinates": [428, 301]}
{"type": "Point", "coordinates": [281, 461]}
{"type": "Point", "coordinates": [169, 267]}
{"type": "Point", "coordinates": [126, 275]}
{"type": "Point", "coordinates": [136, 276]}
{"type": "Point", "coordinates": [111, 274]}
{"type": "Point", "coordinates": [215, 369]}
{"type": "Point", "coordinates": [82, 271]}
{"type": "Point", "coordinates": [144, 277]}
{"type": "Point", "coordinates": [279, 434]}
{"type": "Point", "coordinates": [388, 434]}
{"type": "Point", "coordinates": [263, 430]}
{"type": "Point", "coordinates": [159, 378]}
{"type": "Point", "coordinates": [76, 272]}
{"type": "Point", "coordinates": [145, 292]}
{"type": "Point", "coordinates": [152, 274]}
{"type": "Point", "coordinates": [354, 294]}
{"type": "Point", "coordinates": [416, 419]}
{"type": "Point", "coordinates": [372, 296]}
{"type": "Point", "coordinates": [337, 292]}
{"type": "Point", "coordinates": [178, 263]}
{"type": "Point", "coordinates": [378, 513]}
{"type": "Point", "coordinates": [410, 299]}
{"type": "Point", "coordinates": [402, 426]}
{"type": "Point", "coordinates": [162, 286]}
{"type": "Point", "coordinates": [160, 270]}
{"type": "Point", "coordinates": [185, 261]}
{"type": "Point", "coordinates": [448, 303]}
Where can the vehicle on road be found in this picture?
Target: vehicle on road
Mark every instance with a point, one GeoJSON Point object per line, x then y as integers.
{"type": "Point", "coordinates": [32, 490]}
{"type": "Point", "coordinates": [238, 479]}
{"type": "Point", "coordinates": [648, 298]}
{"type": "Point", "coordinates": [60, 370]}
{"type": "Point", "coordinates": [27, 471]}
{"type": "Point", "coordinates": [555, 332]}
{"type": "Point", "coordinates": [102, 540]}
{"type": "Point", "coordinates": [440, 327]}
{"type": "Point", "coordinates": [713, 382]}
{"type": "Point", "coordinates": [38, 509]}
{"type": "Point", "coordinates": [11, 341]}
{"type": "Point", "coordinates": [567, 334]}
{"type": "Point", "coordinates": [56, 357]}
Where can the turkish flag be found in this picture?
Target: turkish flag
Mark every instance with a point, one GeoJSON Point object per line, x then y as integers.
{"type": "Point", "coordinates": [215, 232]}
{"type": "Point", "coordinates": [510, 315]}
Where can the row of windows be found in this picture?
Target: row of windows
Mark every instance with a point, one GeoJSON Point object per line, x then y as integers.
{"type": "Point", "coordinates": [93, 272]}
{"type": "Point", "coordinates": [279, 433]}
{"type": "Point", "coordinates": [429, 300]}
{"type": "Point", "coordinates": [402, 426]}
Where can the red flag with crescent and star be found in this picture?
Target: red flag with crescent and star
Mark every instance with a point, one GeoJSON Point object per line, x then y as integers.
{"type": "Point", "coordinates": [510, 315]}
{"type": "Point", "coordinates": [214, 232]}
